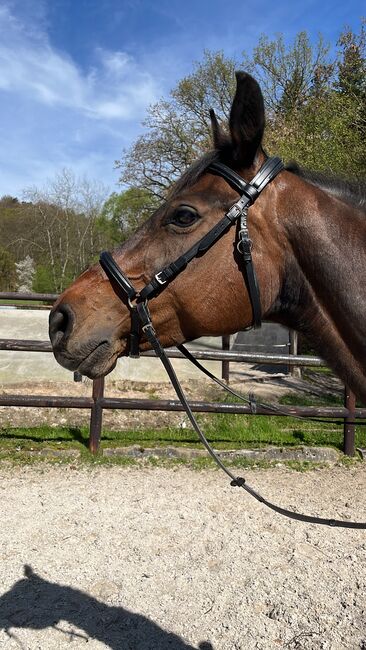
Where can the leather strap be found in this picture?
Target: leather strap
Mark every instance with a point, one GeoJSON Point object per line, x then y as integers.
{"type": "Point", "coordinates": [253, 403]}
{"type": "Point", "coordinates": [236, 481]}
{"type": "Point", "coordinates": [249, 192]}
{"type": "Point", "coordinates": [141, 311]}
{"type": "Point", "coordinates": [114, 273]}
{"type": "Point", "coordinates": [269, 170]}
{"type": "Point", "coordinates": [121, 284]}
{"type": "Point", "coordinates": [135, 335]}
{"type": "Point", "coordinates": [244, 247]}
{"type": "Point", "coordinates": [168, 273]}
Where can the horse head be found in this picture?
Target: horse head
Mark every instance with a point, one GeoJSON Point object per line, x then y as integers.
{"type": "Point", "coordinates": [309, 241]}
{"type": "Point", "coordinates": [89, 325]}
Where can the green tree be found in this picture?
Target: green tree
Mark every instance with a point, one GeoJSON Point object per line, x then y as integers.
{"type": "Point", "coordinates": [352, 63]}
{"type": "Point", "coordinates": [123, 213]}
{"type": "Point", "coordinates": [315, 109]}
{"type": "Point", "coordinates": [178, 129]}
{"type": "Point", "coordinates": [351, 81]}
{"type": "Point", "coordinates": [291, 75]}
{"type": "Point", "coordinates": [8, 277]}
{"type": "Point", "coordinates": [321, 136]}
{"type": "Point", "coordinates": [42, 282]}
{"type": "Point", "coordinates": [327, 131]}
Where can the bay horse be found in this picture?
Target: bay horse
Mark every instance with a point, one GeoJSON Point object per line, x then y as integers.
{"type": "Point", "coordinates": [308, 237]}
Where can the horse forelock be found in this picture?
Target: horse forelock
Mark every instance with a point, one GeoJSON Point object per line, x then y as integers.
{"type": "Point", "coordinates": [193, 173]}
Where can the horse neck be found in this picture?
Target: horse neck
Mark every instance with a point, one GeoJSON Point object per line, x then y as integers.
{"type": "Point", "coordinates": [323, 292]}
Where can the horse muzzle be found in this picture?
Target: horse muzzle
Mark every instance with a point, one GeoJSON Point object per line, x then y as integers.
{"type": "Point", "coordinates": [91, 355]}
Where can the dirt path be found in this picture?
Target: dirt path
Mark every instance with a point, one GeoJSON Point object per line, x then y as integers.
{"type": "Point", "coordinates": [151, 559]}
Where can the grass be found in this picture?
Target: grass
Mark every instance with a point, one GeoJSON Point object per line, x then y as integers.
{"type": "Point", "coordinates": [20, 303]}
{"type": "Point", "coordinates": [294, 399]}
{"type": "Point", "coordinates": [279, 431]}
{"type": "Point", "coordinates": [224, 431]}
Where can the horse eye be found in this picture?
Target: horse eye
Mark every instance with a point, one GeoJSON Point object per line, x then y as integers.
{"type": "Point", "coordinates": [184, 216]}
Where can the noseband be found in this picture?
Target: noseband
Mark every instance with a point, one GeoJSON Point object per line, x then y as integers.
{"type": "Point", "coordinates": [141, 319]}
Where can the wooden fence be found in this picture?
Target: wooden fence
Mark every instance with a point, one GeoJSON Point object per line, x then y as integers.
{"type": "Point", "coordinates": [98, 401]}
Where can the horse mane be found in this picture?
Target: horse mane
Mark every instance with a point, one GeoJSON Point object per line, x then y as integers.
{"type": "Point", "coordinates": [352, 192]}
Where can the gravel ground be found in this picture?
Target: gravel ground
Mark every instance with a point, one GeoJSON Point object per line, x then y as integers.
{"type": "Point", "coordinates": [153, 558]}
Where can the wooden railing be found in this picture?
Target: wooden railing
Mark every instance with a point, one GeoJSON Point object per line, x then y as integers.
{"type": "Point", "coordinates": [98, 401]}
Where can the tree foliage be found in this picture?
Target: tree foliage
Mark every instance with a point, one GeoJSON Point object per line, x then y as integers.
{"type": "Point", "coordinates": [325, 127]}
{"type": "Point", "coordinates": [123, 213]}
{"type": "Point", "coordinates": [290, 76]}
{"type": "Point", "coordinates": [315, 109]}
{"type": "Point", "coordinates": [57, 227]}
{"type": "Point", "coordinates": [8, 276]}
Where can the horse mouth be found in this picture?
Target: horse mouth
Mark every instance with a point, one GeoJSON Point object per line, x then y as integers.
{"type": "Point", "coordinates": [97, 362]}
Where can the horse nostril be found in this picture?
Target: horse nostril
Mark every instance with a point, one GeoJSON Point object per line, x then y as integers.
{"type": "Point", "coordinates": [60, 324]}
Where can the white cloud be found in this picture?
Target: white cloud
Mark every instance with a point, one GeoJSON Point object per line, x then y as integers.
{"type": "Point", "coordinates": [54, 114]}
{"type": "Point", "coordinates": [115, 62]}
{"type": "Point", "coordinates": [116, 88]}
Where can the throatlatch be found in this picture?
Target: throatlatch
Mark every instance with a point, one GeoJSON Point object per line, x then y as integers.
{"type": "Point", "coordinates": [141, 319]}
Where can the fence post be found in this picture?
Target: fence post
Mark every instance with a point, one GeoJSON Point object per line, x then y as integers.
{"type": "Point", "coordinates": [225, 368]}
{"type": "Point", "coordinates": [96, 415]}
{"type": "Point", "coordinates": [348, 427]}
{"type": "Point", "coordinates": [295, 371]}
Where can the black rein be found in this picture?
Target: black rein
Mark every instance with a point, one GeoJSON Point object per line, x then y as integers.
{"type": "Point", "coordinates": [141, 320]}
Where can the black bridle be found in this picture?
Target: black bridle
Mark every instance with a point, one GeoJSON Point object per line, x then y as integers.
{"type": "Point", "coordinates": [237, 214]}
{"type": "Point", "coordinates": [141, 319]}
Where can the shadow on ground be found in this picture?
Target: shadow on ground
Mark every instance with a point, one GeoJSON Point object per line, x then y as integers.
{"type": "Point", "coordinates": [37, 604]}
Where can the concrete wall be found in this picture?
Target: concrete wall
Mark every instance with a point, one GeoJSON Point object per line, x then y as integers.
{"type": "Point", "coordinates": [270, 338]}
{"type": "Point", "coordinates": [17, 367]}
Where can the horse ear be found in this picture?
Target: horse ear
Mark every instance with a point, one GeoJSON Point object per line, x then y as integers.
{"type": "Point", "coordinates": [246, 119]}
{"type": "Point", "coordinates": [28, 571]}
{"type": "Point", "coordinates": [219, 136]}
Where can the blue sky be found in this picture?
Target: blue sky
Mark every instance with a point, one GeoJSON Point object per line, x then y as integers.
{"type": "Point", "coordinates": [76, 76]}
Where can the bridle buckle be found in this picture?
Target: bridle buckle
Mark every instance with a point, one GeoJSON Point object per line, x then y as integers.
{"type": "Point", "coordinates": [158, 278]}
{"type": "Point", "coordinates": [239, 245]}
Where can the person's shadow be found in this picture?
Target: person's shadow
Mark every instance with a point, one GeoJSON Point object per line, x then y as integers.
{"type": "Point", "coordinates": [35, 603]}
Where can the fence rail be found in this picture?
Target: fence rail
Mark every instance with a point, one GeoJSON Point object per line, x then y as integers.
{"type": "Point", "coordinates": [27, 345]}
{"type": "Point", "coordinates": [98, 402]}
{"type": "Point", "coordinates": [15, 296]}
